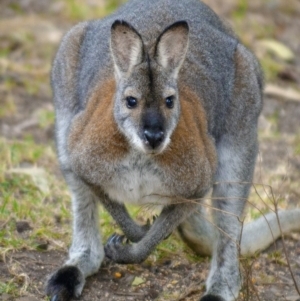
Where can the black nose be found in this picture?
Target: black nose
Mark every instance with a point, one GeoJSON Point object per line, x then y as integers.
{"type": "Point", "coordinates": [154, 137]}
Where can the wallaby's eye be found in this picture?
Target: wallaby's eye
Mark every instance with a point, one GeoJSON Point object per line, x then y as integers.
{"type": "Point", "coordinates": [131, 102]}
{"type": "Point", "coordinates": [170, 102]}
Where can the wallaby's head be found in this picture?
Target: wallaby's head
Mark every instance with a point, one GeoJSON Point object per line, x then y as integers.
{"type": "Point", "coordinates": [147, 106]}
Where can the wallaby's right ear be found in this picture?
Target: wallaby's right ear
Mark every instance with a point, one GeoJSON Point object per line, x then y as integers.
{"type": "Point", "coordinates": [171, 46]}
{"type": "Point", "coordinates": [126, 46]}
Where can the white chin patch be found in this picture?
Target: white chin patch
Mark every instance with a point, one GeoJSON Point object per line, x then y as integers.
{"type": "Point", "coordinates": [143, 147]}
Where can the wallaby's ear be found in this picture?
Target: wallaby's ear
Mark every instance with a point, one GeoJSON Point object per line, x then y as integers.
{"type": "Point", "coordinates": [126, 46]}
{"type": "Point", "coordinates": [171, 46]}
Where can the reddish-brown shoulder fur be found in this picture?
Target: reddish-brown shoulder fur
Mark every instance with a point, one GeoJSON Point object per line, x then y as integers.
{"type": "Point", "coordinates": [94, 134]}
{"type": "Point", "coordinates": [191, 157]}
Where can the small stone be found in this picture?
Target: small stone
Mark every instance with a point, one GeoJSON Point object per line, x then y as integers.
{"type": "Point", "coordinates": [153, 294]}
{"type": "Point", "coordinates": [23, 226]}
{"type": "Point", "coordinates": [42, 245]}
{"type": "Point", "coordinates": [118, 275]}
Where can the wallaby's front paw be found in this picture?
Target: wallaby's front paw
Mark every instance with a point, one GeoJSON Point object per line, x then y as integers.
{"type": "Point", "coordinates": [140, 232]}
{"type": "Point", "coordinates": [117, 251]}
{"type": "Point", "coordinates": [149, 224]}
{"type": "Point", "coordinates": [65, 284]}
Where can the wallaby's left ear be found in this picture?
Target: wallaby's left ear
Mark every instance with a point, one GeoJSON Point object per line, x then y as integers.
{"type": "Point", "coordinates": [171, 46]}
{"type": "Point", "coordinates": [127, 47]}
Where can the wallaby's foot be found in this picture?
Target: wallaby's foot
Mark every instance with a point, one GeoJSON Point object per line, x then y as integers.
{"type": "Point", "coordinates": [211, 298]}
{"type": "Point", "coordinates": [65, 284]}
{"type": "Point", "coordinates": [119, 250]}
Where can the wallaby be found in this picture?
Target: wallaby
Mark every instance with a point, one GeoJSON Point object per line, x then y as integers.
{"type": "Point", "coordinates": [158, 103]}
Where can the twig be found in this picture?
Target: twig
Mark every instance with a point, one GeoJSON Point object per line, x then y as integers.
{"type": "Point", "coordinates": [283, 245]}
{"type": "Point", "coordinates": [283, 93]}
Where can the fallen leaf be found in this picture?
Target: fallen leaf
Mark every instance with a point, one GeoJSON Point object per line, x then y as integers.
{"type": "Point", "coordinates": [137, 281]}
{"type": "Point", "coordinates": [37, 175]}
{"type": "Point", "coordinates": [278, 49]}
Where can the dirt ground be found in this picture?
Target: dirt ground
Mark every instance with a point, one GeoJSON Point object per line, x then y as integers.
{"type": "Point", "coordinates": [174, 276]}
{"type": "Point", "coordinates": [266, 277]}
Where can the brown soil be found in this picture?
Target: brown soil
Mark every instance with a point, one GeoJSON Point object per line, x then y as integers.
{"type": "Point", "coordinates": [265, 278]}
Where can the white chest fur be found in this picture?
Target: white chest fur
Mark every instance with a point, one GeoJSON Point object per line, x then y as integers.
{"type": "Point", "coordinates": [137, 180]}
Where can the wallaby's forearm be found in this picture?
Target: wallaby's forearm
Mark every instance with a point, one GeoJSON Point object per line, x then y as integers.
{"type": "Point", "coordinates": [119, 213]}
{"type": "Point", "coordinates": [170, 217]}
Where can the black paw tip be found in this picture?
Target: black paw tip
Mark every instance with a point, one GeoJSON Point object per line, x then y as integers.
{"type": "Point", "coordinates": [61, 285]}
{"type": "Point", "coordinates": [211, 298]}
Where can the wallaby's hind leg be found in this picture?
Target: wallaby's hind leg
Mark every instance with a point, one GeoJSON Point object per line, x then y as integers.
{"type": "Point", "coordinates": [228, 200]}
{"type": "Point", "coordinates": [86, 252]}
{"type": "Point", "coordinates": [229, 196]}
{"type": "Point", "coordinates": [198, 232]}
{"type": "Point", "coordinates": [220, 237]}
{"type": "Point", "coordinates": [237, 149]}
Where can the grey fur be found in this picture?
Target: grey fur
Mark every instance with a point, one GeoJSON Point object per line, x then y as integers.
{"type": "Point", "coordinates": [208, 59]}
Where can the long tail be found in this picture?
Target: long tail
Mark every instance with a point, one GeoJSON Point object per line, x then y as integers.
{"type": "Point", "coordinates": [257, 235]}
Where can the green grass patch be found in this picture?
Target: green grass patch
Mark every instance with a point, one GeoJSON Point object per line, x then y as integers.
{"type": "Point", "coordinates": [45, 118]}
{"type": "Point", "coordinates": [241, 10]}
{"type": "Point", "coordinates": [8, 107]}
{"type": "Point", "coordinates": [261, 201]}
{"type": "Point", "coordinates": [16, 7]}
{"type": "Point", "coordinates": [270, 66]}
{"type": "Point", "coordinates": [9, 288]}
{"type": "Point", "coordinates": [297, 144]}
{"type": "Point", "coordinates": [30, 192]}
{"type": "Point", "coordinates": [78, 10]}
